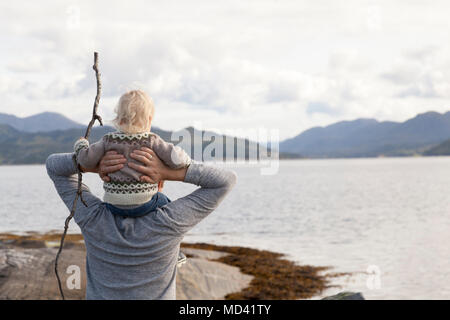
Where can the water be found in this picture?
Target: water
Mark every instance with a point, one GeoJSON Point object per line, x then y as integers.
{"type": "Point", "coordinates": [386, 220]}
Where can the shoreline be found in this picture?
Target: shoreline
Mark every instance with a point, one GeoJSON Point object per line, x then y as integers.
{"type": "Point", "coordinates": [211, 271]}
{"type": "Point", "coordinates": [246, 162]}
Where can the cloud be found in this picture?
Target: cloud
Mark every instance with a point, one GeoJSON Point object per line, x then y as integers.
{"type": "Point", "coordinates": [423, 73]}
{"type": "Point", "coordinates": [320, 107]}
{"type": "Point", "coordinates": [404, 74]}
{"type": "Point", "coordinates": [288, 64]}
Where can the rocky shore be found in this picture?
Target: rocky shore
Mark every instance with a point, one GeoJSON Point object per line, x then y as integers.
{"type": "Point", "coordinates": [211, 272]}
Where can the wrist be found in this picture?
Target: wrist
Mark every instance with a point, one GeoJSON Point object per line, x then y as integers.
{"type": "Point", "coordinates": [166, 174]}
{"type": "Point", "coordinates": [176, 174]}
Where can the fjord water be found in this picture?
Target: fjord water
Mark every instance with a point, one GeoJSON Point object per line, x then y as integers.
{"type": "Point", "coordinates": [386, 220]}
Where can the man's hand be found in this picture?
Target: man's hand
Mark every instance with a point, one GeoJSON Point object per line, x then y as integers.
{"type": "Point", "coordinates": [153, 168]}
{"type": "Point", "coordinates": [111, 162]}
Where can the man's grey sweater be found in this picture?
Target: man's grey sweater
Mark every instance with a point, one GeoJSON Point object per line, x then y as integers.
{"type": "Point", "coordinates": [136, 258]}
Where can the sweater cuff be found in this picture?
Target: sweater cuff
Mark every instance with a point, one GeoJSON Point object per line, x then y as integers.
{"type": "Point", "coordinates": [81, 143]}
{"type": "Point", "coordinates": [193, 173]}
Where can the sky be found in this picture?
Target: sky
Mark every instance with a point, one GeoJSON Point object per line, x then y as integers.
{"type": "Point", "coordinates": [278, 65]}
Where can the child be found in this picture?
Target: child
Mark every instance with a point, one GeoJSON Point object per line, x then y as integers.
{"type": "Point", "coordinates": [134, 116]}
{"type": "Point", "coordinates": [125, 194]}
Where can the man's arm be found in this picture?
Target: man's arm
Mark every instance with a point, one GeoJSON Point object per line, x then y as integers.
{"type": "Point", "coordinates": [62, 170]}
{"type": "Point", "coordinates": [183, 214]}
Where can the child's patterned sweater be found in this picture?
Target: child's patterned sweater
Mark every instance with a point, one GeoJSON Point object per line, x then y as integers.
{"type": "Point", "coordinates": [125, 187]}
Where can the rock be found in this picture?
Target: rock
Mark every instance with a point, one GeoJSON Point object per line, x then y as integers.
{"type": "Point", "coordinates": [203, 254]}
{"type": "Point", "coordinates": [27, 273]}
{"type": "Point", "coordinates": [201, 279]}
{"type": "Point", "coordinates": [346, 296]}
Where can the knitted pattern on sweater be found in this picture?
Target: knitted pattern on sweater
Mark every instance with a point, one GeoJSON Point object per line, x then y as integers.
{"type": "Point", "coordinates": [125, 187]}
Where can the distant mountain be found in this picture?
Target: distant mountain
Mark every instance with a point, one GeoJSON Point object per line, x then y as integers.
{"type": "Point", "coordinates": [18, 147]}
{"type": "Point", "coordinates": [442, 149]}
{"type": "Point", "coordinates": [424, 134]}
{"type": "Point", "coordinates": [371, 138]}
{"type": "Point", "coordinates": [42, 122]}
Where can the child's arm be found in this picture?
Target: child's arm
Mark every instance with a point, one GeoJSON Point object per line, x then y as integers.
{"type": "Point", "coordinates": [88, 156]}
{"type": "Point", "coordinates": [173, 156]}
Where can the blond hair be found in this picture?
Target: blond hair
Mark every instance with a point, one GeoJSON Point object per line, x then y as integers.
{"type": "Point", "coordinates": [133, 112]}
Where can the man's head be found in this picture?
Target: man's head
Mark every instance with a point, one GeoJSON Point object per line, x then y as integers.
{"type": "Point", "coordinates": [134, 112]}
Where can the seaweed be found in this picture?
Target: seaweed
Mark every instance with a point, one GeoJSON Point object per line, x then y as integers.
{"type": "Point", "coordinates": [274, 277]}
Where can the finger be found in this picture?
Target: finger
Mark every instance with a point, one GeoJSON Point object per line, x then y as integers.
{"type": "Point", "coordinates": [107, 159]}
{"type": "Point", "coordinates": [138, 167]}
{"type": "Point", "coordinates": [143, 153]}
{"type": "Point", "coordinates": [113, 162]}
{"type": "Point", "coordinates": [146, 179]}
{"type": "Point", "coordinates": [139, 158]}
{"type": "Point", "coordinates": [106, 178]}
{"type": "Point", "coordinates": [148, 150]}
{"type": "Point", "coordinates": [109, 169]}
{"type": "Point", "coordinates": [111, 152]}
{"type": "Point", "coordinates": [113, 156]}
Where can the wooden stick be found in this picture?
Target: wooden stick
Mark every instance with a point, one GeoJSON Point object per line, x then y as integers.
{"type": "Point", "coordinates": [95, 116]}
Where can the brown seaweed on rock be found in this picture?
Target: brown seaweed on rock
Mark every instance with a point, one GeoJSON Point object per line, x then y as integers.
{"type": "Point", "coordinates": [274, 277]}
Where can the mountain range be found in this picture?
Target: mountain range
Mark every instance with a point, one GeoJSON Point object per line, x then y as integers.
{"type": "Point", "coordinates": [34, 143]}
{"type": "Point", "coordinates": [41, 122]}
{"type": "Point", "coordinates": [31, 139]}
{"type": "Point", "coordinates": [371, 138]}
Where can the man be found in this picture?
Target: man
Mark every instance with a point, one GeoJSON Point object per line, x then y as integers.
{"type": "Point", "coordinates": [136, 258]}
